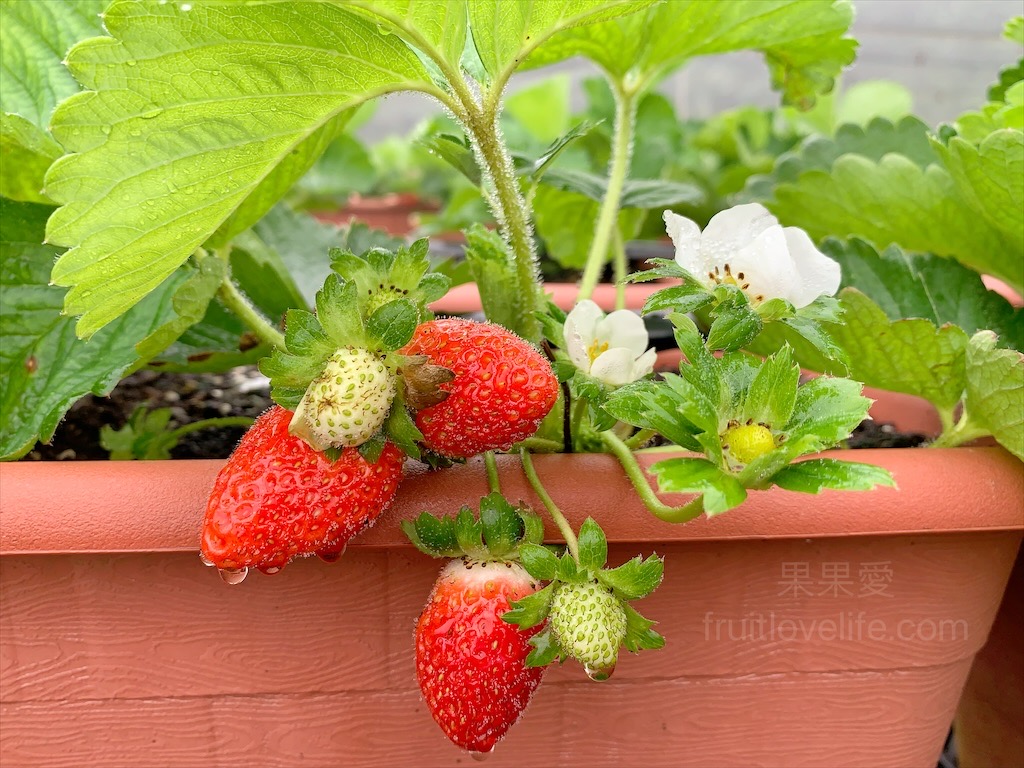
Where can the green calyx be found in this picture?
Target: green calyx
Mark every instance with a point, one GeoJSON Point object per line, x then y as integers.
{"type": "Point", "coordinates": [369, 308]}
{"type": "Point", "coordinates": [586, 605]}
{"type": "Point", "coordinates": [499, 532]}
{"type": "Point", "coordinates": [382, 277]}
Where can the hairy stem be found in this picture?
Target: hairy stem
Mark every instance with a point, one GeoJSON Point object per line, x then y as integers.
{"type": "Point", "coordinates": [563, 525]}
{"type": "Point", "coordinates": [510, 208]}
{"type": "Point", "coordinates": [621, 268]}
{"type": "Point", "coordinates": [492, 472]}
{"type": "Point", "coordinates": [618, 167]}
{"type": "Point", "coordinates": [689, 511]}
{"type": "Point", "coordinates": [248, 314]}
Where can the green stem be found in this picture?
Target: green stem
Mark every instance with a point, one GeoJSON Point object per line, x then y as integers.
{"type": "Point", "coordinates": [541, 445]}
{"type": "Point", "coordinates": [556, 514]}
{"type": "Point", "coordinates": [962, 432]}
{"type": "Point", "coordinates": [621, 268]}
{"type": "Point", "coordinates": [641, 437]}
{"type": "Point", "coordinates": [240, 305]}
{"type": "Point", "coordinates": [618, 167]}
{"type": "Point", "coordinates": [221, 421]}
{"type": "Point", "coordinates": [579, 411]}
{"type": "Point", "coordinates": [492, 472]}
{"type": "Point", "coordinates": [689, 511]}
{"type": "Point", "coordinates": [511, 209]}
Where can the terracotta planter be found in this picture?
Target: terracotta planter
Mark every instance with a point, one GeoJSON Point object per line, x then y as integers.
{"type": "Point", "coordinates": [802, 631]}
{"type": "Point", "coordinates": [394, 213]}
{"type": "Point", "coordinates": [465, 298]}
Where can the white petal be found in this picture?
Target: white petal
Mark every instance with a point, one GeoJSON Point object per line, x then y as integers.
{"type": "Point", "coordinates": [765, 265]}
{"type": "Point", "coordinates": [644, 364]}
{"type": "Point", "coordinates": [685, 235]}
{"type": "Point", "coordinates": [730, 231]}
{"type": "Point", "coordinates": [580, 327]}
{"type": "Point", "coordinates": [614, 367]}
{"type": "Point", "coordinates": [817, 274]}
{"type": "Point", "coordinates": [624, 328]}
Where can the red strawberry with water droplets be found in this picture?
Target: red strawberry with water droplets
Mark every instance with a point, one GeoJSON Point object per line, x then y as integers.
{"type": "Point", "coordinates": [501, 390]}
{"type": "Point", "coordinates": [277, 498]}
{"type": "Point", "coordinates": [471, 665]}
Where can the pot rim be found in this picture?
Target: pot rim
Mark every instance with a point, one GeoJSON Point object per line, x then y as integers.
{"type": "Point", "coordinates": [102, 507]}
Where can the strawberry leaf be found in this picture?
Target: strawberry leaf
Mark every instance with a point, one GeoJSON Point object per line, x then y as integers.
{"type": "Point", "coordinates": [593, 546]}
{"type": "Point", "coordinates": [530, 610]}
{"type": "Point", "coordinates": [639, 635]}
{"type": "Point", "coordinates": [635, 578]}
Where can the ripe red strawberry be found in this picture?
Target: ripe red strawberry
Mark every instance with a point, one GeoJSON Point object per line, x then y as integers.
{"type": "Point", "coordinates": [470, 664]}
{"type": "Point", "coordinates": [278, 498]}
{"type": "Point", "coordinates": [502, 389]}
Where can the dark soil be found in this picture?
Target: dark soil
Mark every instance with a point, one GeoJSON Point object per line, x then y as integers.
{"type": "Point", "coordinates": [241, 392]}
{"type": "Point", "coordinates": [244, 392]}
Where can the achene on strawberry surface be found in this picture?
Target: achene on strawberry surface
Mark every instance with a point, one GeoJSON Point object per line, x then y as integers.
{"type": "Point", "coordinates": [502, 389]}
{"type": "Point", "coordinates": [277, 498]}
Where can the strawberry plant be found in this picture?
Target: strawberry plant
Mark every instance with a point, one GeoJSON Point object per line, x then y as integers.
{"type": "Point", "coordinates": [149, 169]}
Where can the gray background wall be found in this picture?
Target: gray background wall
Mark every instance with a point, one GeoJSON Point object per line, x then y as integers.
{"type": "Point", "coordinates": [947, 52]}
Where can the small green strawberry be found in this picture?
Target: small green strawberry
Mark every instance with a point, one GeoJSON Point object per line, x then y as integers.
{"type": "Point", "coordinates": [589, 622]}
{"type": "Point", "coordinates": [347, 403]}
{"type": "Point", "coordinates": [337, 371]}
{"type": "Point", "coordinates": [586, 605]}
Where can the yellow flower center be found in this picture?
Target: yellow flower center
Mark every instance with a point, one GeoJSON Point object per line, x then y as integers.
{"type": "Point", "coordinates": [596, 349]}
{"type": "Point", "coordinates": [726, 277]}
{"type": "Point", "coordinates": [747, 442]}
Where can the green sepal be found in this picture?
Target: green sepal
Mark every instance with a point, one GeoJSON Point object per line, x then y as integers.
{"type": "Point", "coordinates": [433, 536]}
{"type": "Point", "coordinates": [502, 524]}
{"type": "Point", "coordinates": [373, 448]}
{"type": "Point", "coordinates": [593, 547]}
{"type": "Point", "coordinates": [721, 490]}
{"type": "Point", "coordinates": [734, 322]}
{"type": "Point", "coordinates": [469, 532]}
{"type": "Point", "coordinates": [392, 325]}
{"type": "Point", "coordinates": [685, 298]}
{"type": "Point", "coordinates": [540, 562]}
{"type": "Point", "coordinates": [332, 453]}
{"type": "Point", "coordinates": [545, 649]}
{"type": "Point", "coordinates": [338, 315]}
{"type": "Point", "coordinates": [658, 269]}
{"type": "Point", "coordinates": [815, 475]}
{"type": "Point", "coordinates": [639, 635]}
{"type": "Point", "coordinates": [533, 527]}
{"type": "Point", "coordinates": [311, 339]}
{"type": "Point", "coordinates": [552, 324]}
{"type": "Point", "coordinates": [635, 578]}
{"type": "Point", "coordinates": [569, 572]}
{"type": "Point", "coordinates": [530, 610]}
{"type": "Point", "coordinates": [401, 429]}
{"type": "Point", "coordinates": [381, 275]}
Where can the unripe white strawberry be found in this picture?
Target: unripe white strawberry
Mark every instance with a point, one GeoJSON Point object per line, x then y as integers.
{"type": "Point", "coordinates": [347, 403]}
{"type": "Point", "coordinates": [589, 623]}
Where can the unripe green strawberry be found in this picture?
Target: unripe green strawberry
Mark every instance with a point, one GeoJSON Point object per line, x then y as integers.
{"type": "Point", "coordinates": [347, 403]}
{"type": "Point", "coordinates": [589, 623]}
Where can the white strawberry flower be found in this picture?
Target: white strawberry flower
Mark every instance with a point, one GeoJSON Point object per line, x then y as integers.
{"type": "Point", "coordinates": [611, 348]}
{"type": "Point", "coordinates": [746, 246]}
